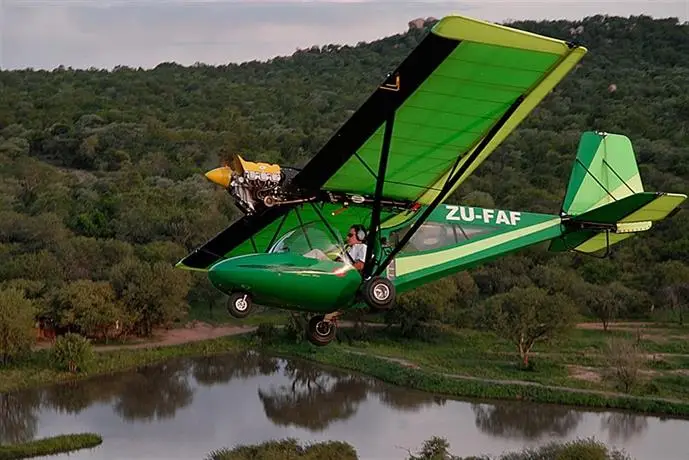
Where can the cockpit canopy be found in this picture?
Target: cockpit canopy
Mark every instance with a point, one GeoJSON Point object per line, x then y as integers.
{"type": "Point", "coordinates": [310, 240]}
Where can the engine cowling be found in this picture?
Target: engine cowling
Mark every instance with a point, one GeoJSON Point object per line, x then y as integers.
{"type": "Point", "coordinates": [249, 182]}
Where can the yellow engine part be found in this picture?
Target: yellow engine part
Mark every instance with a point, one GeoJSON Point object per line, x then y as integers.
{"type": "Point", "coordinates": [220, 176]}
{"type": "Point", "coordinates": [257, 167]}
{"type": "Point", "coordinates": [223, 175]}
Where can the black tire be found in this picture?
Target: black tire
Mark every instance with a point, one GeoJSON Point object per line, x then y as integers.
{"type": "Point", "coordinates": [379, 293]}
{"type": "Point", "coordinates": [239, 305]}
{"type": "Point", "coordinates": [321, 332]}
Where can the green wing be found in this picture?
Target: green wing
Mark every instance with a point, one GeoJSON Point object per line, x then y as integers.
{"type": "Point", "coordinates": [461, 92]}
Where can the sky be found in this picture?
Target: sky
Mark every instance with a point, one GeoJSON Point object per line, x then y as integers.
{"type": "Point", "coordinates": [43, 34]}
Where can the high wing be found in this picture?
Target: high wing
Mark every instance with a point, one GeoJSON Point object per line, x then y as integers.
{"type": "Point", "coordinates": [445, 108]}
{"type": "Point", "coordinates": [454, 99]}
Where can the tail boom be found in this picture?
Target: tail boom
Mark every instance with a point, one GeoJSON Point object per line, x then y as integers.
{"type": "Point", "coordinates": [456, 238]}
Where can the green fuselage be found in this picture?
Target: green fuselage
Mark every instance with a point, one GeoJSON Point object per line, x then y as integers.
{"type": "Point", "coordinates": [453, 239]}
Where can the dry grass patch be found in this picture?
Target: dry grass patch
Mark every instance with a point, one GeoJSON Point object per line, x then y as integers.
{"type": "Point", "coordinates": [585, 373]}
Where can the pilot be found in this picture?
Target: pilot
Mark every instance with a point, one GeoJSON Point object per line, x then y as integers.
{"type": "Point", "coordinates": [356, 248]}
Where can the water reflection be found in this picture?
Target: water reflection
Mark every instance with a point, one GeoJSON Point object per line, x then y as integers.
{"type": "Point", "coordinates": [622, 427]}
{"type": "Point", "coordinates": [180, 404]}
{"type": "Point", "coordinates": [313, 399]}
{"type": "Point", "coordinates": [212, 370]}
{"type": "Point", "coordinates": [513, 420]}
{"type": "Point", "coordinates": [155, 393]}
{"type": "Point", "coordinates": [19, 419]}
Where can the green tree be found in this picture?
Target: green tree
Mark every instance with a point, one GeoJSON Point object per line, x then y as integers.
{"type": "Point", "coordinates": [420, 306]}
{"type": "Point", "coordinates": [527, 315]}
{"type": "Point", "coordinates": [153, 294]}
{"type": "Point", "coordinates": [91, 307]}
{"type": "Point", "coordinates": [605, 302]}
{"type": "Point", "coordinates": [674, 287]}
{"type": "Point", "coordinates": [17, 319]}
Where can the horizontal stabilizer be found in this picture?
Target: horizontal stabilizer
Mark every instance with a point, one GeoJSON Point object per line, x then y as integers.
{"type": "Point", "coordinates": [640, 207]}
{"type": "Point", "coordinates": [609, 224]}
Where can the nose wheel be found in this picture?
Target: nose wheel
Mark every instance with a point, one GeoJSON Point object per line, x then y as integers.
{"type": "Point", "coordinates": [379, 293]}
{"type": "Point", "coordinates": [239, 305]}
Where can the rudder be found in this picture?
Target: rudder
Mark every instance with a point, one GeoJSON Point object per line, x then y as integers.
{"type": "Point", "coordinates": [605, 170]}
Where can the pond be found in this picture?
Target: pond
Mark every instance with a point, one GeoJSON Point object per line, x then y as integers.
{"type": "Point", "coordinates": [185, 408]}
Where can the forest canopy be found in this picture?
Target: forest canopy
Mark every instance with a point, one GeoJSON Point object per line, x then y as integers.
{"type": "Point", "coordinates": [102, 187]}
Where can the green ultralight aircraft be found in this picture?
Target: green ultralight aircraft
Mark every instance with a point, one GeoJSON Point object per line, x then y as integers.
{"type": "Point", "coordinates": [390, 168]}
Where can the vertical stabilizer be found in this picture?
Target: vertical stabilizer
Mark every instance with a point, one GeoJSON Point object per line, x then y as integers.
{"type": "Point", "coordinates": [605, 170]}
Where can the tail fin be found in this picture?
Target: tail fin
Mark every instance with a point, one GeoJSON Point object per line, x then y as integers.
{"type": "Point", "coordinates": [605, 201]}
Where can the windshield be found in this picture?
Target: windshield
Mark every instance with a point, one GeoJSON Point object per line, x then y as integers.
{"type": "Point", "coordinates": [311, 240]}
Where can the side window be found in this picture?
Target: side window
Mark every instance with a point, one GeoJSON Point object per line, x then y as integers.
{"type": "Point", "coordinates": [432, 235]}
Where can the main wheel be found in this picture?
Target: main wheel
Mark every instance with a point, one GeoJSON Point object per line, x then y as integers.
{"type": "Point", "coordinates": [321, 332]}
{"type": "Point", "coordinates": [379, 293]}
{"type": "Point", "coordinates": [239, 305]}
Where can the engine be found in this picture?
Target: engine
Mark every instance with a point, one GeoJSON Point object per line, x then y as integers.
{"type": "Point", "coordinates": [250, 183]}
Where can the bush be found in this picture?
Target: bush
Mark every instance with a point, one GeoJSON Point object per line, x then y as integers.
{"type": "Point", "coordinates": [73, 353]}
{"type": "Point", "coordinates": [624, 363]}
{"type": "Point", "coordinates": [267, 333]}
{"type": "Point", "coordinates": [588, 449]}
{"type": "Point", "coordinates": [435, 448]}
{"type": "Point", "coordinates": [295, 329]}
{"type": "Point", "coordinates": [287, 449]}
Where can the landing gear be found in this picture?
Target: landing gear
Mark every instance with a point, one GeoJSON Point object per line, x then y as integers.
{"type": "Point", "coordinates": [239, 305]}
{"type": "Point", "coordinates": [379, 293]}
{"type": "Point", "coordinates": [322, 329]}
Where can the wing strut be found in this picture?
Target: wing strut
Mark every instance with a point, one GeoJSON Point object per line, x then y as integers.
{"type": "Point", "coordinates": [449, 183]}
{"type": "Point", "coordinates": [380, 180]}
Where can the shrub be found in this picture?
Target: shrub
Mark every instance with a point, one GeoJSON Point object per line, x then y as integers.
{"type": "Point", "coordinates": [287, 449]}
{"type": "Point", "coordinates": [73, 353]}
{"type": "Point", "coordinates": [624, 361]}
{"type": "Point", "coordinates": [266, 333]}
{"type": "Point", "coordinates": [435, 448]}
{"type": "Point", "coordinates": [588, 449]}
{"type": "Point", "coordinates": [295, 329]}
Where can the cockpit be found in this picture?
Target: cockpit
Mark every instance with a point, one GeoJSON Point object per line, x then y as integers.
{"type": "Point", "coordinates": [311, 240]}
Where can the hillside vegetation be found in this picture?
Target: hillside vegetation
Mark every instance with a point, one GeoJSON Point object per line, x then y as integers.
{"type": "Point", "coordinates": [102, 191]}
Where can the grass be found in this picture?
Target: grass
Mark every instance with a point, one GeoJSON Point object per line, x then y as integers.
{"type": "Point", "coordinates": [50, 446]}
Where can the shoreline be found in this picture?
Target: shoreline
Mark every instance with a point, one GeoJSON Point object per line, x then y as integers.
{"type": "Point", "coordinates": [455, 386]}
{"type": "Point", "coordinates": [400, 372]}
